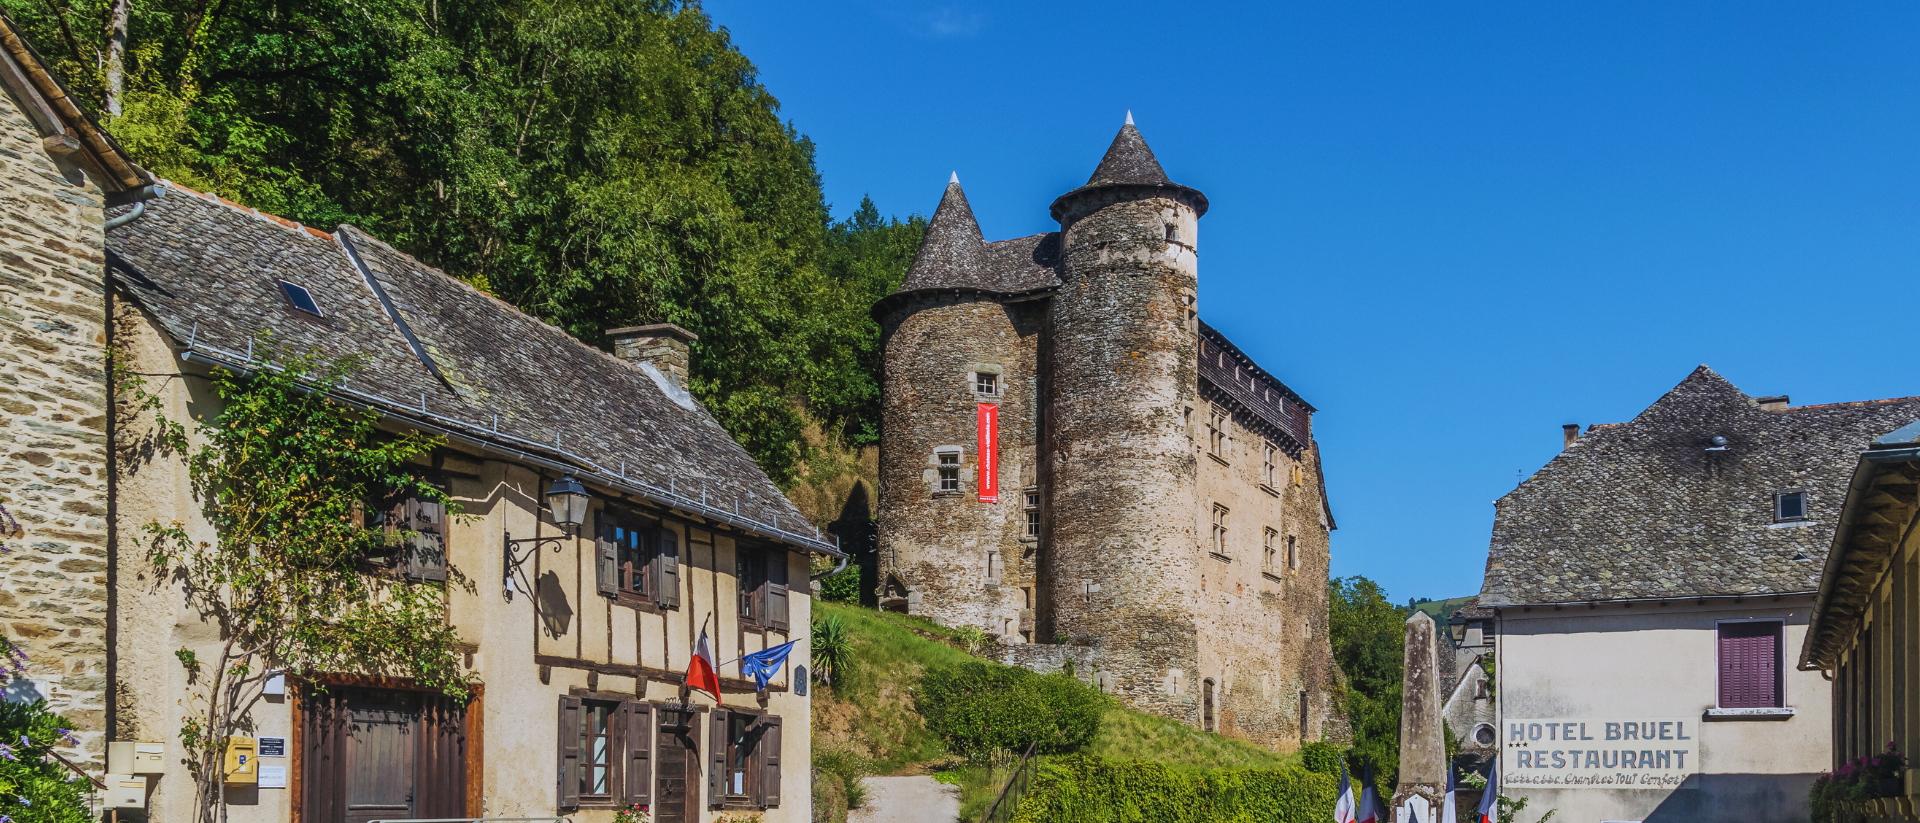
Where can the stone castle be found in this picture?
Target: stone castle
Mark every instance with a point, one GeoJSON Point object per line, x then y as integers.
{"type": "Point", "coordinates": [1074, 462]}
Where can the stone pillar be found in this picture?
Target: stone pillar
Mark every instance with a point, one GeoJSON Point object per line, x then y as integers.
{"type": "Point", "coordinates": [1423, 744]}
{"type": "Point", "coordinates": [662, 345]}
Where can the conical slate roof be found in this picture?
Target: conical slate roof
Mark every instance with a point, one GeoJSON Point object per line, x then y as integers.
{"type": "Point", "coordinates": [953, 254]}
{"type": "Point", "coordinates": [1129, 161]}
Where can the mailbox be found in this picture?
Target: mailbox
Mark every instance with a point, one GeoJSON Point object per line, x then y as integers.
{"type": "Point", "coordinates": [241, 765]}
{"type": "Point", "coordinates": [136, 758]}
{"type": "Point", "coordinates": [126, 791]}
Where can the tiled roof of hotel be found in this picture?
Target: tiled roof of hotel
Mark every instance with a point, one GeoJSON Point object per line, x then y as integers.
{"type": "Point", "coordinates": [1648, 509]}
{"type": "Point", "coordinates": [444, 353]}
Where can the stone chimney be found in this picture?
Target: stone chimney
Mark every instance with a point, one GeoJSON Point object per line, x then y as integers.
{"type": "Point", "coordinates": [1774, 403]}
{"type": "Point", "coordinates": [662, 344]}
{"type": "Point", "coordinates": [1571, 432]}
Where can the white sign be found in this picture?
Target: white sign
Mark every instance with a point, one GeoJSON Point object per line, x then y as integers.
{"type": "Point", "coordinates": [1602, 752]}
{"type": "Point", "coordinates": [273, 777]}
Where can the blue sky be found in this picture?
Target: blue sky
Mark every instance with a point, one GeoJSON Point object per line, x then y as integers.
{"type": "Point", "coordinates": [1452, 227]}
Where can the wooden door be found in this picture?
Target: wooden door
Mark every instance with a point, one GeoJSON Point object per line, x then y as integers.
{"type": "Point", "coordinates": [676, 759]}
{"type": "Point", "coordinates": [379, 755]}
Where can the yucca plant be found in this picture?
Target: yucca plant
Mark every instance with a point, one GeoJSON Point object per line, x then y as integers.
{"type": "Point", "coordinates": [832, 650]}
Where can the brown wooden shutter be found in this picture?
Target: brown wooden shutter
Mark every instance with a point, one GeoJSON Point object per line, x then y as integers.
{"type": "Point", "coordinates": [426, 546]}
{"type": "Point", "coordinates": [1749, 665]}
{"type": "Point", "coordinates": [638, 737]}
{"type": "Point", "coordinates": [767, 753]}
{"type": "Point", "coordinates": [569, 771]}
{"type": "Point", "coordinates": [668, 595]}
{"type": "Point", "coordinates": [776, 588]}
{"type": "Point", "coordinates": [607, 565]}
{"type": "Point", "coordinates": [716, 757]}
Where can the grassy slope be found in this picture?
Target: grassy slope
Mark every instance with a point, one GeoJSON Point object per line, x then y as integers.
{"type": "Point", "coordinates": [871, 715]}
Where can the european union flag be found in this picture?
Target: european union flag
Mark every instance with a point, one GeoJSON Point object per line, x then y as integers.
{"type": "Point", "coordinates": [763, 665]}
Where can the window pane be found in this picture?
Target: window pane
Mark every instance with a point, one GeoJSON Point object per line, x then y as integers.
{"type": "Point", "coordinates": [1793, 506]}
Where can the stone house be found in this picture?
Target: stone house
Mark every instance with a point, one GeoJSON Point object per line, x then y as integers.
{"type": "Point", "coordinates": [1645, 584]}
{"type": "Point", "coordinates": [1074, 463]}
{"type": "Point", "coordinates": [58, 172]}
{"type": "Point", "coordinates": [1867, 615]}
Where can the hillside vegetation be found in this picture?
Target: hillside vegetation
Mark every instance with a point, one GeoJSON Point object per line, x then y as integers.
{"type": "Point", "coordinates": [868, 719]}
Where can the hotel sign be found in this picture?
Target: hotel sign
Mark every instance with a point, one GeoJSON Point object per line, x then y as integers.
{"type": "Point", "coordinates": [1599, 752]}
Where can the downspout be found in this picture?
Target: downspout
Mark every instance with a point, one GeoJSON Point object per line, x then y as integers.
{"type": "Point", "coordinates": [836, 570]}
{"type": "Point", "coordinates": [139, 207]}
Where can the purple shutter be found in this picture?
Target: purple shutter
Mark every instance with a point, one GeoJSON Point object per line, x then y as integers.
{"type": "Point", "coordinates": [1749, 665]}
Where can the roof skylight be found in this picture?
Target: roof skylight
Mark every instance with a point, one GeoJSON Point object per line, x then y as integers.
{"type": "Point", "coordinates": [300, 298]}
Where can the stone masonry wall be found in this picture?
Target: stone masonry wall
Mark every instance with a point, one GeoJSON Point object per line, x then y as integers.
{"type": "Point", "coordinates": [1121, 549]}
{"type": "Point", "coordinates": [936, 544]}
{"type": "Point", "coordinates": [53, 390]}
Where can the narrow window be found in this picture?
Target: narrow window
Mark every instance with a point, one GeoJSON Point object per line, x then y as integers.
{"type": "Point", "coordinates": [993, 565]}
{"type": "Point", "coordinates": [596, 751]}
{"type": "Point", "coordinates": [300, 298]}
{"type": "Point", "coordinates": [949, 471]}
{"type": "Point", "coordinates": [1303, 715]}
{"type": "Point", "coordinates": [1220, 530]}
{"type": "Point", "coordinates": [1033, 514]}
{"type": "Point", "coordinates": [1173, 233]}
{"type": "Point", "coordinates": [1219, 438]}
{"type": "Point", "coordinates": [1271, 558]}
{"type": "Point", "coordinates": [985, 383]}
{"type": "Point", "coordinates": [1206, 705]}
{"type": "Point", "coordinates": [1789, 505]}
{"type": "Point", "coordinates": [1293, 553]}
{"type": "Point", "coordinates": [635, 542]}
{"type": "Point", "coordinates": [1750, 664]}
{"type": "Point", "coordinates": [750, 573]}
{"type": "Point", "coordinates": [739, 774]}
{"type": "Point", "coordinates": [1266, 470]}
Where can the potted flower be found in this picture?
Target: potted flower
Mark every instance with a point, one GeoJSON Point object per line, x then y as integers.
{"type": "Point", "coordinates": [1883, 772]}
{"type": "Point", "coordinates": [633, 813]}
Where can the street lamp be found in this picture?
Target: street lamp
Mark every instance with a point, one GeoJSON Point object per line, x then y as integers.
{"type": "Point", "coordinates": [1458, 628]}
{"type": "Point", "coordinates": [567, 504]}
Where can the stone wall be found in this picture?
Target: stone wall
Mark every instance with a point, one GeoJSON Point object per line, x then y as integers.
{"type": "Point", "coordinates": [53, 390]}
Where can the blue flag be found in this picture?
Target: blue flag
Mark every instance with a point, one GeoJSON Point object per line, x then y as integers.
{"type": "Point", "coordinates": [763, 665]}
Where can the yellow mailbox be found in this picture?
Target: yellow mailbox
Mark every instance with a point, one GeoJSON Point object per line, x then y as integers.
{"type": "Point", "coordinates": [242, 762]}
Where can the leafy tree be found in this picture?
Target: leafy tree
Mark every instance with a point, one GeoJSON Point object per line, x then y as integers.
{"type": "Point", "coordinates": [1368, 635]}
{"type": "Point", "coordinates": [596, 163]}
{"type": "Point", "coordinates": [282, 475]}
{"type": "Point", "coordinates": [35, 787]}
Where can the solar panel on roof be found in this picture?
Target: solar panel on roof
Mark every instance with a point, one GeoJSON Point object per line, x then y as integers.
{"type": "Point", "coordinates": [300, 297]}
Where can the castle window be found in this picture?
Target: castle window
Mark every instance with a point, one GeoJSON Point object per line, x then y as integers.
{"type": "Point", "coordinates": [986, 383]}
{"type": "Point", "coordinates": [1173, 233]}
{"type": "Point", "coordinates": [1220, 530]}
{"type": "Point", "coordinates": [1293, 553]}
{"type": "Point", "coordinates": [1272, 556]}
{"type": "Point", "coordinates": [1789, 505]}
{"type": "Point", "coordinates": [1219, 439]}
{"type": "Point", "coordinates": [1033, 514]}
{"type": "Point", "coordinates": [1266, 470]}
{"type": "Point", "coordinates": [949, 470]}
{"type": "Point", "coordinates": [993, 566]}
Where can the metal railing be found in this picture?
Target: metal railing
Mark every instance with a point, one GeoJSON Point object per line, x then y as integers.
{"type": "Point", "coordinates": [1009, 800]}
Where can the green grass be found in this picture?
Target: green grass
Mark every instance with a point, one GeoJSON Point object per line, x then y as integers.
{"type": "Point", "coordinates": [1130, 735]}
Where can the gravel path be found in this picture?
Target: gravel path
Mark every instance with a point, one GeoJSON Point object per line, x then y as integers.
{"type": "Point", "coordinates": [908, 800]}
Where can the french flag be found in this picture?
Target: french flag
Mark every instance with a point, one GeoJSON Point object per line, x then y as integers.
{"type": "Point", "coordinates": [1369, 799]}
{"type": "Point", "coordinates": [1343, 808]}
{"type": "Point", "coordinates": [1490, 800]}
{"type": "Point", "coordinates": [1448, 814]}
{"type": "Point", "coordinates": [701, 673]}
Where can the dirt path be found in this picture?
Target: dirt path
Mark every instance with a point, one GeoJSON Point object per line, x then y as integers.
{"type": "Point", "coordinates": [907, 800]}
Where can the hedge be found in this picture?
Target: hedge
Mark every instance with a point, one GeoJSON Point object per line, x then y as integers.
{"type": "Point", "coordinates": [1086, 789]}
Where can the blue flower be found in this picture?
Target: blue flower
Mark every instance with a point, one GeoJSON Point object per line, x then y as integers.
{"type": "Point", "coordinates": [68, 734]}
{"type": "Point", "coordinates": [25, 802]}
{"type": "Point", "coordinates": [6, 818]}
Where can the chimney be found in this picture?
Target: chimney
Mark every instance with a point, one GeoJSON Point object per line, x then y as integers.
{"type": "Point", "coordinates": [1774, 403]}
{"type": "Point", "coordinates": [662, 344]}
{"type": "Point", "coordinates": [1571, 432]}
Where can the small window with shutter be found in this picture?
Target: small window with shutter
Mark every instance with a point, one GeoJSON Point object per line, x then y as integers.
{"type": "Point", "coordinates": [639, 559]}
{"type": "Point", "coordinates": [777, 594]}
{"type": "Point", "coordinates": [750, 577]}
{"type": "Point", "coordinates": [1750, 664]}
{"type": "Point", "coordinates": [420, 525]}
{"type": "Point", "coordinates": [606, 753]}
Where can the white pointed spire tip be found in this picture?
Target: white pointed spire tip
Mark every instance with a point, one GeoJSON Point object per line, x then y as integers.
{"type": "Point", "coordinates": [1129, 117]}
{"type": "Point", "coordinates": [954, 180]}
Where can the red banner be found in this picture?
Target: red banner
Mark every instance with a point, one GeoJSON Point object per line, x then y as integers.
{"type": "Point", "coordinates": [989, 416]}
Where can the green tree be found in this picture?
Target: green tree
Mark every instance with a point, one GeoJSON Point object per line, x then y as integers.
{"type": "Point", "coordinates": [1368, 635]}
{"type": "Point", "coordinates": [35, 787]}
{"type": "Point", "coordinates": [283, 476]}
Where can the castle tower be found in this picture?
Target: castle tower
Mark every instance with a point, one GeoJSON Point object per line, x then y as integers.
{"type": "Point", "coordinates": [1120, 555]}
{"type": "Point", "coordinates": [959, 405]}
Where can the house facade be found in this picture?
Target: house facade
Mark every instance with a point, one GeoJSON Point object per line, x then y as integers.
{"type": "Point", "coordinates": [1646, 583]}
{"type": "Point", "coordinates": [1865, 616]}
{"type": "Point", "coordinates": [1074, 463]}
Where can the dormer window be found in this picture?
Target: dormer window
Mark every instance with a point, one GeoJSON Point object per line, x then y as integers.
{"type": "Point", "coordinates": [300, 298]}
{"type": "Point", "coordinates": [1789, 505]}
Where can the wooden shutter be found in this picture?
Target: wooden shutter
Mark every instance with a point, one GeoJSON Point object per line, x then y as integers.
{"type": "Point", "coordinates": [776, 587]}
{"type": "Point", "coordinates": [569, 771]}
{"type": "Point", "coordinates": [638, 739]}
{"type": "Point", "coordinates": [668, 595]}
{"type": "Point", "coordinates": [1750, 665]}
{"type": "Point", "coordinates": [426, 546]}
{"type": "Point", "coordinates": [767, 757]}
{"type": "Point", "coordinates": [716, 757]}
{"type": "Point", "coordinates": [607, 566]}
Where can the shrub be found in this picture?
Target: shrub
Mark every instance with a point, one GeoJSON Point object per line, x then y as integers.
{"type": "Point", "coordinates": [979, 708]}
{"type": "Point", "coordinates": [1321, 758]}
{"type": "Point", "coordinates": [843, 587]}
{"type": "Point", "coordinates": [832, 650]}
{"type": "Point", "coordinates": [34, 787]}
{"type": "Point", "coordinates": [1086, 789]}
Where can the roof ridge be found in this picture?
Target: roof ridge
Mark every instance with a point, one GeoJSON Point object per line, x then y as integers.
{"type": "Point", "coordinates": [290, 225]}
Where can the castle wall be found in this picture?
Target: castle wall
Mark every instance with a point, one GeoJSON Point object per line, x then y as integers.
{"type": "Point", "coordinates": [936, 546]}
{"type": "Point", "coordinates": [53, 390]}
{"type": "Point", "coordinates": [1261, 623]}
{"type": "Point", "coordinates": [1122, 550]}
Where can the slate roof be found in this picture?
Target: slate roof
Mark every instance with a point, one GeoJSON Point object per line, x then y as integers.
{"type": "Point", "coordinates": [1260, 393]}
{"type": "Point", "coordinates": [1130, 162]}
{"type": "Point", "coordinates": [1882, 496]}
{"type": "Point", "coordinates": [1643, 509]}
{"type": "Point", "coordinates": [953, 256]}
{"type": "Point", "coordinates": [444, 356]}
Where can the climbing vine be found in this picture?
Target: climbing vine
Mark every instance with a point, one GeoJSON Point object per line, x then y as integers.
{"type": "Point", "coordinates": [281, 556]}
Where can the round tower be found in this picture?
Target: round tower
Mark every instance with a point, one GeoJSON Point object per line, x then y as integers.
{"type": "Point", "coordinates": [1123, 561]}
{"type": "Point", "coordinates": [958, 403]}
